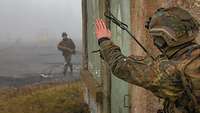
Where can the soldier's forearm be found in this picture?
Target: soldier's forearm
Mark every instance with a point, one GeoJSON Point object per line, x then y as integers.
{"type": "Point", "coordinates": [64, 48]}
{"type": "Point", "coordinates": [108, 49]}
{"type": "Point", "coordinates": [116, 60]}
{"type": "Point", "coordinates": [125, 68]}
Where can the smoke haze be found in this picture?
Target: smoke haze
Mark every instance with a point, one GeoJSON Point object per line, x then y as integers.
{"type": "Point", "coordinates": [39, 20]}
{"type": "Point", "coordinates": [29, 33]}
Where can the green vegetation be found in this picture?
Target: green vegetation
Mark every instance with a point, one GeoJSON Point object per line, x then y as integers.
{"type": "Point", "coordinates": [51, 98]}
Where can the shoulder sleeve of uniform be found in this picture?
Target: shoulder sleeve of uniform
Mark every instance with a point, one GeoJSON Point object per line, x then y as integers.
{"type": "Point", "coordinates": [168, 82]}
{"type": "Point", "coordinates": [159, 76]}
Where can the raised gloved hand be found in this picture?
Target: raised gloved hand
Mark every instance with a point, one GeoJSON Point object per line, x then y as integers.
{"type": "Point", "coordinates": [101, 30]}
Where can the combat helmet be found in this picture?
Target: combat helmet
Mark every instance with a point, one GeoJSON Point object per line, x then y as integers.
{"type": "Point", "coordinates": [175, 25]}
{"type": "Point", "coordinates": [64, 34]}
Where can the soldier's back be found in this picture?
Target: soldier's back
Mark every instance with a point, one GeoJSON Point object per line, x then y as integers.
{"type": "Point", "coordinates": [189, 66]}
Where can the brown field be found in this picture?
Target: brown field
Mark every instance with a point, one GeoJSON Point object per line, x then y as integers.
{"type": "Point", "coordinates": [49, 98]}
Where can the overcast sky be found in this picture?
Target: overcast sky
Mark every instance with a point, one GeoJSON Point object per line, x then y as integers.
{"type": "Point", "coordinates": [33, 19]}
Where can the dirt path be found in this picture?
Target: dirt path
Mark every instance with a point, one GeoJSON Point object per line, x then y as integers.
{"type": "Point", "coordinates": [36, 79]}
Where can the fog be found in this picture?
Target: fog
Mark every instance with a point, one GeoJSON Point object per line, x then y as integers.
{"type": "Point", "coordinates": [39, 20]}
{"type": "Point", "coordinates": [29, 33]}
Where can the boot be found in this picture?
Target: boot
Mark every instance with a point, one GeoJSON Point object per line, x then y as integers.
{"type": "Point", "coordinates": [65, 69]}
{"type": "Point", "coordinates": [71, 68]}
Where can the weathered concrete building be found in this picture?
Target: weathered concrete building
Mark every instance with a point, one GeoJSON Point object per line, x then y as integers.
{"type": "Point", "coordinates": [104, 92]}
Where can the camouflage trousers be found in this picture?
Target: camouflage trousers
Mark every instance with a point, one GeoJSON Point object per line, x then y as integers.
{"type": "Point", "coordinates": [68, 64]}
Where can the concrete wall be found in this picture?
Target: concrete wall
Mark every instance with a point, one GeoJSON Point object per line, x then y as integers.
{"type": "Point", "coordinates": [119, 88]}
{"type": "Point", "coordinates": [140, 11]}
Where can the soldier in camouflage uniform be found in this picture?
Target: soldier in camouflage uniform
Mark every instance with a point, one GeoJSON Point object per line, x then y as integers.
{"type": "Point", "coordinates": [175, 75]}
{"type": "Point", "coordinates": [67, 47]}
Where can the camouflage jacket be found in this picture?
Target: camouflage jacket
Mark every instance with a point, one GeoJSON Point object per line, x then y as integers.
{"type": "Point", "coordinates": [67, 46]}
{"type": "Point", "coordinates": [162, 77]}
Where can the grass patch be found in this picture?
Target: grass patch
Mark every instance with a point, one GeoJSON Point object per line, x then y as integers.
{"type": "Point", "coordinates": [51, 98]}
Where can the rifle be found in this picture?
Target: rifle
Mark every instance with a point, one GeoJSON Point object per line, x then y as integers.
{"type": "Point", "coordinates": [124, 27]}
{"type": "Point", "coordinates": [62, 48]}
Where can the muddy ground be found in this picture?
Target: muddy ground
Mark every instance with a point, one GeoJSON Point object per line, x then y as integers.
{"type": "Point", "coordinates": [24, 64]}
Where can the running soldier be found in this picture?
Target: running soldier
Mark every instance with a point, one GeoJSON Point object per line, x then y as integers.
{"type": "Point", "coordinates": [175, 75]}
{"type": "Point", "coordinates": [67, 47]}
